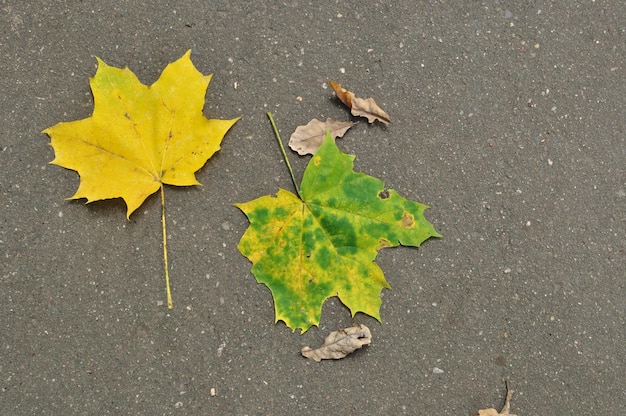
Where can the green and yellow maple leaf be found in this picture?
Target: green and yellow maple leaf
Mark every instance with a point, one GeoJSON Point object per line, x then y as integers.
{"type": "Point", "coordinates": [140, 137]}
{"type": "Point", "coordinates": [324, 243]}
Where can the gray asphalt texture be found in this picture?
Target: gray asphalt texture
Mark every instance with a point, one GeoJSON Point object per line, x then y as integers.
{"type": "Point", "coordinates": [508, 119]}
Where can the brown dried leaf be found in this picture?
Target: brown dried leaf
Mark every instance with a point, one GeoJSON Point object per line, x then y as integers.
{"type": "Point", "coordinates": [343, 94]}
{"type": "Point", "coordinates": [308, 138]}
{"type": "Point", "coordinates": [505, 409]}
{"type": "Point", "coordinates": [340, 343]}
{"type": "Point", "coordinates": [360, 107]}
{"type": "Point", "coordinates": [369, 109]}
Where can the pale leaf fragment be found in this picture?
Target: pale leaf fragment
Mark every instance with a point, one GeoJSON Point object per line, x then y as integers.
{"type": "Point", "coordinates": [369, 109]}
{"type": "Point", "coordinates": [360, 107]}
{"type": "Point", "coordinates": [340, 343]}
{"type": "Point", "coordinates": [505, 409]}
{"type": "Point", "coordinates": [308, 138]}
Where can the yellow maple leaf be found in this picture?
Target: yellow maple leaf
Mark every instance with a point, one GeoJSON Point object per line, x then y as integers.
{"type": "Point", "coordinates": [140, 137]}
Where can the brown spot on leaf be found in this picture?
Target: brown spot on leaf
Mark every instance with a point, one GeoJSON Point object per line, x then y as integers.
{"type": "Point", "coordinates": [383, 242]}
{"type": "Point", "coordinates": [407, 220]}
{"type": "Point", "coordinates": [384, 194]}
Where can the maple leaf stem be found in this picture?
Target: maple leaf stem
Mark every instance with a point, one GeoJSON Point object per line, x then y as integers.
{"type": "Point", "coordinates": [170, 304]}
{"type": "Point", "coordinates": [282, 148]}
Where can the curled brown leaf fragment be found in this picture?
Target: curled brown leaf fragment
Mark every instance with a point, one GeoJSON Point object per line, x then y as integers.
{"type": "Point", "coordinates": [308, 138]}
{"type": "Point", "coordinates": [505, 409]}
{"type": "Point", "coordinates": [343, 94]}
{"type": "Point", "coordinates": [340, 343]}
{"type": "Point", "coordinates": [360, 107]}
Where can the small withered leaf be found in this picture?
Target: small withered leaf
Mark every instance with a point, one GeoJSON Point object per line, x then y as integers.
{"type": "Point", "coordinates": [340, 343]}
{"type": "Point", "coordinates": [369, 109]}
{"type": "Point", "coordinates": [308, 138]}
{"type": "Point", "coordinates": [506, 408]}
{"type": "Point", "coordinates": [360, 107]}
{"type": "Point", "coordinates": [344, 95]}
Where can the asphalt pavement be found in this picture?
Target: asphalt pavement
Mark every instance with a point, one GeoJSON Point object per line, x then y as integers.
{"type": "Point", "coordinates": [508, 119]}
